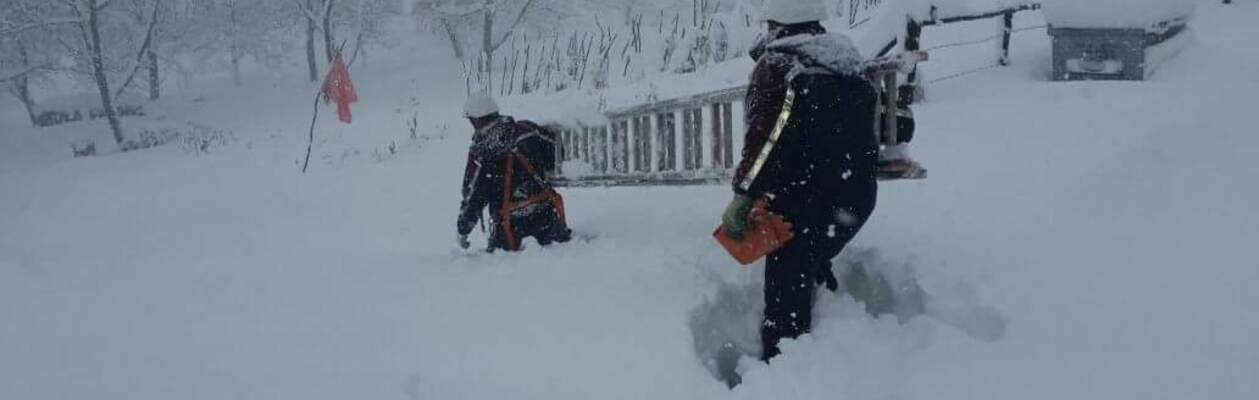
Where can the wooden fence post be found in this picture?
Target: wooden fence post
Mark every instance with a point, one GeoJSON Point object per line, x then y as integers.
{"type": "Point", "coordinates": [913, 42]}
{"type": "Point", "coordinates": [709, 135]}
{"type": "Point", "coordinates": [738, 128]}
{"type": "Point", "coordinates": [631, 162]}
{"type": "Point", "coordinates": [888, 127]}
{"type": "Point", "coordinates": [1007, 28]}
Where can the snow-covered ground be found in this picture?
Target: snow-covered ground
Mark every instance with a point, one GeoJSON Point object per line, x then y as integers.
{"type": "Point", "coordinates": [1109, 226]}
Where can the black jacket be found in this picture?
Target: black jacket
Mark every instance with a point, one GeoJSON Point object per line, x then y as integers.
{"type": "Point", "coordinates": [484, 179]}
{"type": "Point", "coordinates": [826, 155]}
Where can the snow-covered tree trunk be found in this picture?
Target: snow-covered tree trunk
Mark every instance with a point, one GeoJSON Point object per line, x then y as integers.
{"type": "Point", "coordinates": [454, 39]}
{"type": "Point", "coordinates": [487, 45]}
{"type": "Point", "coordinates": [234, 48]}
{"type": "Point", "coordinates": [155, 82]}
{"type": "Point", "coordinates": [329, 47]}
{"type": "Point", "coordinates": [94, 44]}
{"type": "Point", "coordinates": [310, 43]}
{"type": "Point", "coordinates": [146, 47]}
{"type": "Point", "coordinates": [475, 23]}
{"type": "Point", "coordinates": [22, 83]}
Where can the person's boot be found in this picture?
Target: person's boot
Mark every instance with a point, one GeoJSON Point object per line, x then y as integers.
{"type": "Point", "coordinates": [895, 163]}
{"type": "Point", "coordinates": [858, 285]}
{"type": "Point", "coordinates": [727, 364]}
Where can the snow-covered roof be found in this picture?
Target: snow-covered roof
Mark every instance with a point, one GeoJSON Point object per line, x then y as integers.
{"type": "Point", "coordinates": [1114, 13]}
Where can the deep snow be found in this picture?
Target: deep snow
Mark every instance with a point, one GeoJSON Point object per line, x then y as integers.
{"type": "Point", "coordinates": [1115, 13]}
{"type": "Point", "coordinates": [1111, 225]}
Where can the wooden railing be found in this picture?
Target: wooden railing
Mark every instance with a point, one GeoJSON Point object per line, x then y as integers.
{"type": "Point", "coordinates": [684, 141]}
{"type": "Point", "coordinates": [698, 139]}
{"type": "Point", "coordinates": [912, 88]}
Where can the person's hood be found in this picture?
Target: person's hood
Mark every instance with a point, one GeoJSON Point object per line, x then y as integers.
{"type": "Point", "coordinates": [493, 138]}
{"type": "Point", "coordinates": [834, 52]}
{"type": "Point", "coordinates": [495, 125]}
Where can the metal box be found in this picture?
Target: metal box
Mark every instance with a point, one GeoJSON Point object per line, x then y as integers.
{"type": "Point", "coordinates": [1107, 53]}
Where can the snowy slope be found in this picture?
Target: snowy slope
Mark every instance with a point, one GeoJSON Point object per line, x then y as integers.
{"type": "Point", "coordinates": [1111, 226]}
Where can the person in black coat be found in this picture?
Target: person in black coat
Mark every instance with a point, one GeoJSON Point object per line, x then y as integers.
{"type": "Point", "coordinates": [507, 172]}
{"type": "Point", "coordinates": [811, 152]}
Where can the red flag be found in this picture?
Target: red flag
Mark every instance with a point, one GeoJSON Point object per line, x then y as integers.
{"type": "Point", "coordinates": [338, 88]}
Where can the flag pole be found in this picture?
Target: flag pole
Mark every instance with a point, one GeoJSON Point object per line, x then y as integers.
{"type": "Point", "coordinates": [310, 141]}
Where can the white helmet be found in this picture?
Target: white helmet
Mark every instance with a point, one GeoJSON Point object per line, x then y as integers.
{"type": "Point", "coordinates": [479, 105]}
{"type": "Point", "coordinates": [789, 12]}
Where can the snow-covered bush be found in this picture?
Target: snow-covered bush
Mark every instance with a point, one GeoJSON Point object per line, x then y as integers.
{"type": "Point", "coordinates": [83, 148]}
{"type": "Point", "coordinates": [415, 140]}
{"type": "Point", "coordinates": [125, 110]}
{"type": "Point", "coordinates": [192, 139]}
{"type": "Point", "coordinates": [601, 49]}
{"type": "Point", "coordinates": [53, 118]}
{"type": "Point", "coordinates": [198, 140]}
{"type": "Point", "coordinates": [150, 138]}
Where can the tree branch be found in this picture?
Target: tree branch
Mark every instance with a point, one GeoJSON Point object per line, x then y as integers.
{"type": "Point", "coordinates": [358, 46]}
{"type": "Point", "coordinates": [13, 30]}
{"type": "Point", "coordinates": [451, 12]}
{"type": "Point", "coordinates": [310, 14]}
{"type": "Point", "coordinates": [144, 48]}
{"type": "Point", "coordinates": [25, 72]}
{"type": "Point", "coordinates": [82, 25]}
{"type": "Point", "coordinates": [519, 17]}
{"type": "Point", "coordinates": [454, 39]}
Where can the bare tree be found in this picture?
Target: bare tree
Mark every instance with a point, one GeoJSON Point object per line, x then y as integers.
{"type": "Point", "coordinates": [451, 14]}
{"type": "Point", "coordinates": [318, 15]}
{"type": "Point", "coordinates": [145, 58]}
{"type": "Point", "coordinates": [361, 18]}
{"type": "Point", "coordinates": [20, 80]}
{"type": "Point", "coordinates": [307, 8]}
{"type": "Point", "coordinates": [234, 51]}
{"type": "Point", "coordinates": [25, 55]}
{"type": "Point", "coordinates": [327, 28]}
{"type": "Point", "coordinates": [20, 16]}
{"type": "Point", "coordinates": [88, 26]}
{"type": "Point", "coordinates": [227, 32]}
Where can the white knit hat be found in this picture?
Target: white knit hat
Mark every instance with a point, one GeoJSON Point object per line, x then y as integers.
{"type": "Point", "coordinates": [479, 105]}
{"type": "Point", "coordinates": [788, 12]}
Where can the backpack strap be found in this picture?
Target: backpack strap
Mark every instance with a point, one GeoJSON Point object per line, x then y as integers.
{"type": "Point", "coordinates": [524, 161]}
{"type": "Point", "coordinates": [505, 208]}
{"type": "Point", "coordinates": [549, 195]}
{"type": "Point", "coordinates": [535, 132]}
{"type": "Point", "coordinates": [783, 118]}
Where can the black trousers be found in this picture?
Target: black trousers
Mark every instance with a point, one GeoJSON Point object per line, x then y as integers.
{"type": "Point", "coordinates": [542, 223]}
{"type": "Point", "coordinates": [793, 273]}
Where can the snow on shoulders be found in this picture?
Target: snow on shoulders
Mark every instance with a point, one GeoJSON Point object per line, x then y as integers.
{"type": "Point", "coordinates": [832, 50]}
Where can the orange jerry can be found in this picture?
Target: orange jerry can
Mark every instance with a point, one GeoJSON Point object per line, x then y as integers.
{"type": "Point", "coordinates": [769, 233]}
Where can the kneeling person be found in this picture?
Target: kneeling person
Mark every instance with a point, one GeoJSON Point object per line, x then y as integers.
{"type": "Point", "coordinates": [506, 172]}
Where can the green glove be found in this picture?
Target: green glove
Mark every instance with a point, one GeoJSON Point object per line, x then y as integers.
{"type": "Point", "coordinates": [735, 220]}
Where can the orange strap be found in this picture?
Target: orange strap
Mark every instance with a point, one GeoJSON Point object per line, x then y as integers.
{"type": "Point", "coordinates": [504, 217]}
{"type": "Point", "coordinates": [548, 196]}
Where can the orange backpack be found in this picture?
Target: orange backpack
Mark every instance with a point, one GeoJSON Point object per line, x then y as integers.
{"type": "Point", "coordinates": [548, 196]}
